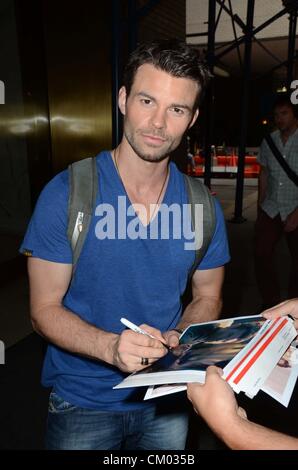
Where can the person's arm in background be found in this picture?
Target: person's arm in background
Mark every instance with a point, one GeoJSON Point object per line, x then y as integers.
{"type": "Point", "coordinates": [263, 174]}
{"type": "Point", "coordinates": [49, 283]}
{"type": "Point", "coordinates": [216, 403]}
{"type": "Point", "coordinates": [206, 304]}
{"type": "Point", "coordinates": [291, 222]}
{"type": "Point", "coordinates": [262, 184]}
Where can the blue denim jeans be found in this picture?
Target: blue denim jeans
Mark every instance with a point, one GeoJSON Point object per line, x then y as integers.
{"type": "Point", "coordinates": [72, 427]}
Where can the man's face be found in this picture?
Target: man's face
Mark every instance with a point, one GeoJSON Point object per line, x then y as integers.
{"type": "Point", "coordinates": [157, 112]}
{"type": "Point", "coordinates": [284, 118]}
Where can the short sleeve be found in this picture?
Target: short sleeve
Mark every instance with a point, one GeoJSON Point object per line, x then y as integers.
{"type": "Point", "coordinates": [46, 236]}
{"type": "Point", "coordinates": [218, 252]}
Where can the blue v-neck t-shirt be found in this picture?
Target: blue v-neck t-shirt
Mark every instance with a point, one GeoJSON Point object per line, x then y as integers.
{"type": "Point", "coordinates": [139, 277]}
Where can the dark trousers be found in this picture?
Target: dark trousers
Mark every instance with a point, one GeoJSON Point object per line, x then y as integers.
{"type": "Point", "coordinates": [268, 232]}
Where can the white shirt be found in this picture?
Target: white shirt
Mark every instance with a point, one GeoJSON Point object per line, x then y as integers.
{"type": "Point", "coordinates": [281, 194]}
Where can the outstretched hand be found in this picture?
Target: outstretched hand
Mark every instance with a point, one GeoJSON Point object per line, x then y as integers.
{"type": "Point", "coordinates": [215, 400]}
{"type": "Point", "coordinates": [288, 307]}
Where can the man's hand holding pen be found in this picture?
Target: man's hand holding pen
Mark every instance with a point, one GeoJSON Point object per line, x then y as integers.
{"type": "Point", "coordinates": [140, 346]}
{"type": "Point", "coordinates": [133, 351]}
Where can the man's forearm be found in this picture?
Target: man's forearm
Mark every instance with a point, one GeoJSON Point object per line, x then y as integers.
{"type": "Point", "coordinates": [68, 331]}
{"type": "Point", "coordinates": [200, 310]}
{"type": "Point", "coordinates": [245, 435]}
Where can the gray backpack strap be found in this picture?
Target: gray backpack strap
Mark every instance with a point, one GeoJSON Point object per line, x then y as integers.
{"type": "Point", "coordinates": [83, 187]}
{"type": "Point", "coordinates": [198, 193]}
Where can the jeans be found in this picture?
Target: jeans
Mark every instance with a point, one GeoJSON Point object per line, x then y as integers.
{"type": "Point", "coordinates": [71, 427]}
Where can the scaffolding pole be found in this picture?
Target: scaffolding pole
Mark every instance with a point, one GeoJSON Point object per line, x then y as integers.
{"type": "Point", "coordinates": [238, 218]}
{"type": "Point", "coordinates": [291, 46]}
{"type": "Point", "coordinates": [210, 92]}
{"type": "Point", "coordinates": [116, 30]}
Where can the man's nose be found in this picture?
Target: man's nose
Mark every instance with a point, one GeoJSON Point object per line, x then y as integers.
{"type": "Point", "coordinates": [158, 118]}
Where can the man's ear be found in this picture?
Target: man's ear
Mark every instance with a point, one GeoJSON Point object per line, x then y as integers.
{"type": "Point", "coordinates": [122, 100]}
{"type": "Point", "coordinates": [194, 118]}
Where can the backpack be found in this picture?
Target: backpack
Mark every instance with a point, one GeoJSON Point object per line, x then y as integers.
{"type": "Point", "coordinates": [83, 182]}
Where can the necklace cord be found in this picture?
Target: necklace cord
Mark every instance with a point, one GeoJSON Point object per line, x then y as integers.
{"type": "Point", "coordinates": [160, 192]}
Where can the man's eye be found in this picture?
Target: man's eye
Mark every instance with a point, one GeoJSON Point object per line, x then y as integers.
{"type": "Point", "coordinates": [178, 110]}
{"type": "Point", "coordinates": [146, 101]}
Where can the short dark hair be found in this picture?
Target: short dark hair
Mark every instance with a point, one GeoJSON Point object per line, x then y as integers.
{"type": "Point", "coordinates": [285, 100]}
{"type": "Point", "coordinates": [172, 56]}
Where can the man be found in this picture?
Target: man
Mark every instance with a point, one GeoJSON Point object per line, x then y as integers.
{"type": "Point", "coordinates": [216, 403]}
{"type": "Point", "coordinates": [277, 205]}
{"type": "Point", "coordinates": [140, 278]}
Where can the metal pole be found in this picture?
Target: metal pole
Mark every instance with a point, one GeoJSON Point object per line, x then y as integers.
{"type": "Point", "coordinates": [255, 31]}
{"type": "Point", "coordinates": [235, 33]}
{"type": "Point", "coordinates": [291, 46]}
{"type": "Point", "coordinates": [219, 15]}
{"type": "Point", "coordinates": [210, 92]}
{"type": "Point", "coordinates": [116, 26]}
{"type": "Point", "coordinates": [243, 135]}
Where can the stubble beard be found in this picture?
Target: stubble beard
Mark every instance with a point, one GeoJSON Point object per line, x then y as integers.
{"type": "Point", "coordinates": [157, 156]}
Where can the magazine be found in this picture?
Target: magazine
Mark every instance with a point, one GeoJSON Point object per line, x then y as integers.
{"type": "Point", "coordinates": [279, 385]}
{"type": "Point", "coordinates": [246, 348]}
{"type": "Point", "coordinates": [281, 382]}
